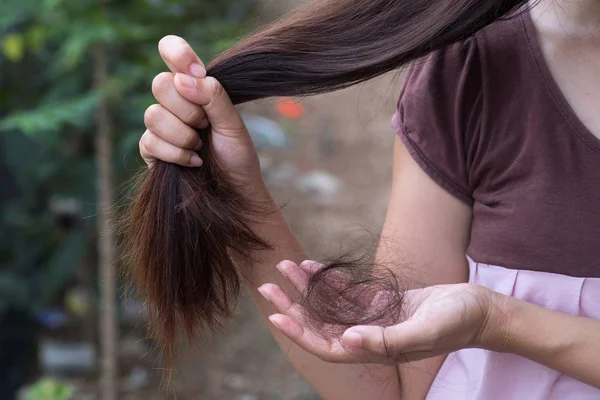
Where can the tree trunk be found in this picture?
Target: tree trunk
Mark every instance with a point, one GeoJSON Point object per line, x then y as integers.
{"type": "Point", "coordinates": [106, 234]}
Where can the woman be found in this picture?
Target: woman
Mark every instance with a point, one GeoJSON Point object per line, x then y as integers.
{"type": "Point", "coordinates": [497, 157]}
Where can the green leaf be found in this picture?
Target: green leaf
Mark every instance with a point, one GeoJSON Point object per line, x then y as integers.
{"type": "Point", "coordinates": [50, 5]}
{"type": "Point", "coordinates": [15, 11]}
{"type": "Point", "coordinates": [13, 47]}
{"type": "Point", "coordinates": [36, 37]}
{"type": "Point", "coordinates": [84, 35]}
{"type": "Point", "coordinates": [49, 389]}
{"type": "Point", "coordinates": [52, 117]}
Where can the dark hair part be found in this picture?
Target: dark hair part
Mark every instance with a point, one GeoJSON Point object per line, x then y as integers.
{"type": "Point", "coordinates": [188, 228]}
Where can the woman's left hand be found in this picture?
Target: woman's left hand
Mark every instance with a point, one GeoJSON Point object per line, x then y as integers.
{"type": "Point", "coordinates": [442, 319]}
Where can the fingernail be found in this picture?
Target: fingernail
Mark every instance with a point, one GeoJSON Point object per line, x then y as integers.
{"type": "Point", "coordinates": [274, 322]}
{"type": "Point", "coordinates": [281, 269]}
{"type": "Point", "coordinates": [186, 80]}
{"type": "Point", "coordinates": [353, 339]}
{"type": "Point", "coordinates": [196, 161]}
{"type": "Point", "coordinates": [262, 291]}
{"type": "Point", "coordinates": [198, 70]}
{"type": "Point", "coordinates": [198, 145]}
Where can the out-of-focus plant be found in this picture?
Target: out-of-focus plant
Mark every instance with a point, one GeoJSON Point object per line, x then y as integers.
{"type": "Point", "coordinates": [49, 389]}
{"type": "Point", "coordinates": [66, 68]}
{"type": "Point", "coordinates": [47, 105]}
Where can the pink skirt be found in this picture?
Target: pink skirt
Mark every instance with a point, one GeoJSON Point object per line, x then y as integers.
{"type": "Point", "coordinates": [475, 374]}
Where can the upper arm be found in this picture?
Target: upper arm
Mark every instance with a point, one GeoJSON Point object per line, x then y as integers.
{"type": "Point", "coordinates": [426, 227]}
{"type": "Point", "coordinates": [424, 238]}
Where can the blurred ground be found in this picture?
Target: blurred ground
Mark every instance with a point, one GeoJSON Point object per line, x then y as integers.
{"type": "Point", "coordinates": [335, 178]}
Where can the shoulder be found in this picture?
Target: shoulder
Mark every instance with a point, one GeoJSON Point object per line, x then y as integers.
{"type": "Point", "coordinates": [453, 82]}
{"type": "Point", "coordinates": [437, 113]}
{"type": "Point", "coordinates": [449, 97]}
{"type": "Point", "coordinates": [442, 92]}
{"type": "Point", "coordinates": [496, 49]}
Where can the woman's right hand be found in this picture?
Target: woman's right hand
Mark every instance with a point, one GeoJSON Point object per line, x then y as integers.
{"type": "Point", "coordinates": [189, 100]}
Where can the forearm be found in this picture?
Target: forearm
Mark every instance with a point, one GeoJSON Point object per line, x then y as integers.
{"type": "Point", "coordinates": [331, 381]}
{"type": "Point", "coordinates": [565, 343]}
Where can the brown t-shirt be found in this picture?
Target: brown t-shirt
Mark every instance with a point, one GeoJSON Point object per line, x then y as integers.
{"type": "Point", "coordinates": [485, 119]}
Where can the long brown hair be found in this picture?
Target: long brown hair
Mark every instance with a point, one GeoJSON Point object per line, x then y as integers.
{"type": "Point", "coordinates": [188, 228]}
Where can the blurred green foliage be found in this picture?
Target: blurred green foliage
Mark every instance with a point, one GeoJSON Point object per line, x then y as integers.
{"type": "Point", "coordinates": [49, 389]}
{"type": "Point", "coordinates": [47, 104]}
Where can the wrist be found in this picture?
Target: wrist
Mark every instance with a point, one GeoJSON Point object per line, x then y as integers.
{"type": "Point", "coordinates": [496, 328]}
{"type": "Point", "coordinates": [519, 327]}
{"type": "Point", "coordinates": [252, 185]}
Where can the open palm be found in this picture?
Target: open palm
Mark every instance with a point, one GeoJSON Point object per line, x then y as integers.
{"type": "Point", "coordinates": [440, 319]}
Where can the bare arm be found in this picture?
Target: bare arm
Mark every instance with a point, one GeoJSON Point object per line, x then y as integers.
{"type": "Point", "coordinates": [432, 228]}
{"type": "Point", "coordinates": [565, 343]}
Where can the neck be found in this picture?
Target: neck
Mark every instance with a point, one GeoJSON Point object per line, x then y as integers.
{"type": "Point", "coordinates": [572, 16]}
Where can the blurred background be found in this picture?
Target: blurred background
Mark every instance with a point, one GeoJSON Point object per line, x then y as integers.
{"type": "Point", "coordinates": [75, 80]}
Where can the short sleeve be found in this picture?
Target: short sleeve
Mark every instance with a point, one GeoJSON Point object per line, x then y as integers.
{"type": "Point", "coordinates": [438, 115]}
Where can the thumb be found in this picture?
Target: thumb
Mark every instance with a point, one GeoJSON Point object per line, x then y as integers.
{"type": "Point", "coordinates": [390, 341]}
{"type": "Point", "coordinates": [217, 105]}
